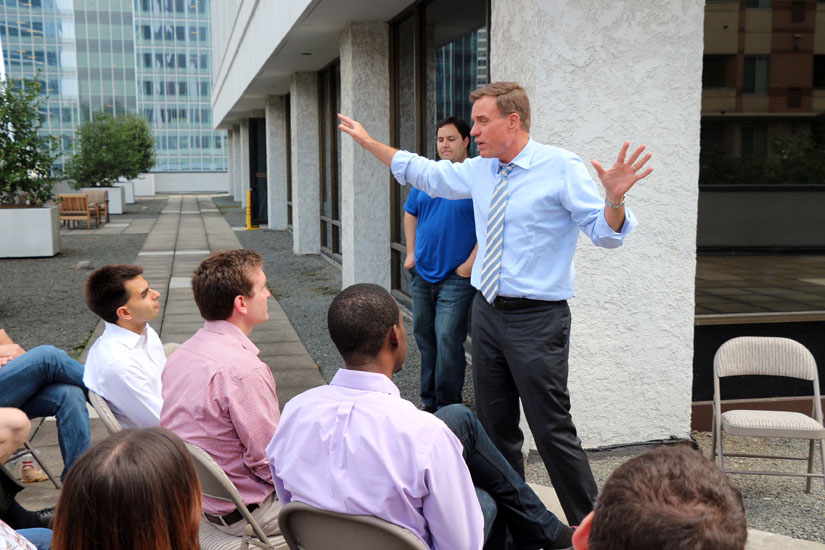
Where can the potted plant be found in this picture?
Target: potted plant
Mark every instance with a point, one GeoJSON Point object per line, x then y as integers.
{"type": "Point", "coordinates": [109, 149]}
{"type": "Point", "coordinates": [29, 228]}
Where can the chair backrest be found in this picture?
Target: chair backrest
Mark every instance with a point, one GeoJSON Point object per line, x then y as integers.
{"type": "Point", "coordinates": [72, 202]}
{"type": "Point", "coordinates": [762, 355]}
{"type": "Point", "coordinates": [765, 356]}
{"type": "Point", "coordinates": [307, 528]}
{"type": "Point", "coordinates": [216, 484]}
{"type": "Point", "coordinates": [104, 412]}
{"type": "Point", "coordinates": [95, 195]}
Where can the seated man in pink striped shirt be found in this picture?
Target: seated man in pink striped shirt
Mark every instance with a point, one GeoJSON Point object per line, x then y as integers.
{"type": "Point", "coordinates": [218, 395]}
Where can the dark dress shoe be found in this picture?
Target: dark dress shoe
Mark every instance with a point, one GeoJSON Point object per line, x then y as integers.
{"type": "Point", "coordinates": [427, 408]}
{"type": "Point", "coordinates": [46, 517]}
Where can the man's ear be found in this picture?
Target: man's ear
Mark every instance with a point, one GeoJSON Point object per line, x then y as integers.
{"type": "Point", "coordinates": [466, 142]}
{"type": "Point", "coordinates": [239, 304]}
{"type": "Point", "coordinates": [582, 535]}
{"type": "Point", "coordinates": [514, 120]}
{"type": "Point", "coordinates": [123, 313]}
{"type": "Point", "coordinates": [394, 335]}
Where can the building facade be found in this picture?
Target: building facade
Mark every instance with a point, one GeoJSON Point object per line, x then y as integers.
{"type": "Point", "coordinates": [597, 75]}
{"type": "Point", "coordinates": [152, 57]}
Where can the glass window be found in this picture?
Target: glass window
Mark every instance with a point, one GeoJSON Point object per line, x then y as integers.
{"type": "Point", "coordinates": [758, 3]}
{"type": "Point", "coordinates": [158, 60]}
{"type": "Point", "coordinates": [715, 71]}
{"type": "Point", "coordinates": [204, 88]}
{"type": "Point", "coordinates": [168, 32]}
{"type": "Point", "coordinates": [204, 63]}
{"type": "Point", "coordinates": [170, 88]}
{"type": "Point", "coordinates": [147, 60]}
{"type": "Point", "coordinates": [180, 33]}
{"type": "Point", "coordinates": [202, 34]}
{"type": "Point", "coordinates": [179, 6]}
{"type": "Point", "coordinates": [755, 77]}
{"type": "Point", "coordinates": [170, 61]}
{"type": "Point", "coordinates": [193, 61]}
{"type": "Point", "coordinates": [819, 71]}
{"type": "Point", "coordinates": [181, 61]}
{"type": "Point", "coordinates": [182, 88]}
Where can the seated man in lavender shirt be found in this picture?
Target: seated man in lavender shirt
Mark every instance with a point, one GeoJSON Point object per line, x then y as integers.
{"type": "Point", "coordinates": [219, 396]}
{"type": "Point", "coordinates": [356, 447]}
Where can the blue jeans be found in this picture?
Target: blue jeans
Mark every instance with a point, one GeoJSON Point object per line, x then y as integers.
{"type": "Point", "coordinates": [440, 328]}
{"type": "Point", "coordinates": [45, 381]}
{"type": "Point", "coordinates": [526, 517]}
{"type": "Point", "coordinates": [41, 538]}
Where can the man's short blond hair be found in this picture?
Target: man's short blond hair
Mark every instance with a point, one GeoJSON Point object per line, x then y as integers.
{"type": "Point", "coordinates": [510, 98]}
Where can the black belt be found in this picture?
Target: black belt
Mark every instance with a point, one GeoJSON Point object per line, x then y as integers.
{"type": "Point", "coordinates": [507, 303]}
{"type": "Point", "coordinates": [230, 518]}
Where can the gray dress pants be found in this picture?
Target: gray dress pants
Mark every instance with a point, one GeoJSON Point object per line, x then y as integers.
{"type": "Point", "coordinates": [520, 349]}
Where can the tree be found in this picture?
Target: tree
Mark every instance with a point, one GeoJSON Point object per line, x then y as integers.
{"type": "Point", "coordinates": [111, 148]}
{"type": "Point", "coordinates": [26, 157]}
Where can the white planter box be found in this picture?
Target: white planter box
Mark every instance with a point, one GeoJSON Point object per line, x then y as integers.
{"type": "Point", "coordinates": [144, 185]}
{"type": "Point", "coordinates": [128, 191]}
{"type": "Point", "coordinates": [115, 195]}
{"type": "Point", "coordinates": [29, 232]}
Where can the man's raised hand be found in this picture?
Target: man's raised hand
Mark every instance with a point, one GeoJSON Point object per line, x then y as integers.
{"type": "Point", "coordinates": [382, 152]}
{"type": "Point", "coordinates": [618, 180]}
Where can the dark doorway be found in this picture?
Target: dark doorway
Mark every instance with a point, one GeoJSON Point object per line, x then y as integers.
{"type": "Point", "coordinates": [257, 169]}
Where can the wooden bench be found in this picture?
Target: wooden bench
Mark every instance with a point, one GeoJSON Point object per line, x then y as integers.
{"type": "Point", "coordinates": [99, 198]}
{"type": "Point", "coordinates": [73, 208]}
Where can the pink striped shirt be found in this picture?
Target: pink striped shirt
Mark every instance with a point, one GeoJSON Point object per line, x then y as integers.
{"type": "Point", "coordinates": [218, 395]}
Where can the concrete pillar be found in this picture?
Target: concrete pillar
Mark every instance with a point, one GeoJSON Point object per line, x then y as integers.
{"type": "Point", "coordinates": [244, 161]}
{"type": "Point", "coordinates": [230, 161]}
{"type": "Point", "coordinates": [306, 226]}
{"type": "Point", "coordinates": [236, 163]}
{"type": "Point", "coordinates": [276, 162]}
{"type": "Point", "coordinates": [365, 200]}
{"type": "Point", "coordinates": [631, 355]}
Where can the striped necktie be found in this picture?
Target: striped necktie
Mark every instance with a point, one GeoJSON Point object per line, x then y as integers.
{"type": "Point", "coordinates": [491, 270]}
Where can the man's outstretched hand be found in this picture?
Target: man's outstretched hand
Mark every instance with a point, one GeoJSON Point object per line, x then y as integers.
{"type": "Point", "coordinates": [353, 128]}
{"type": "Point", "coordinates": [618, 180]}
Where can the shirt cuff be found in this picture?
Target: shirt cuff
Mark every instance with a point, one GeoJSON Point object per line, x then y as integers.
{"type": "Point", "coordinates": [603, 228]}
{"type": "Point", "coordinates": [399, 165]}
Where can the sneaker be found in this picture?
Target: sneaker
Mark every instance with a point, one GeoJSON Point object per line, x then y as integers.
{"type": "Point", "coordinates": [32, 475]}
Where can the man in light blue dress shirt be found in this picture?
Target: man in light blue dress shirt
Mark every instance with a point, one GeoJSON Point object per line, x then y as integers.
{"type": "Point", "coordinates": [521, 322]}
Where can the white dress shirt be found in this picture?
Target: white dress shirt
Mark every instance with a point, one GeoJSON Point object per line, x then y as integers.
{"type": "Point", "coordinates": [551, 197]}
{"type": "Point", "coordinates": [356, 447]}
{"type": "Point", "coordinates": [124, 368]}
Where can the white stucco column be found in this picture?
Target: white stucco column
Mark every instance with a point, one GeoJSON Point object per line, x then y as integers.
{"type": "Point", "coordinates": [236, 162]}
{"type": "Point", "coordinates": [365, 200]}
{"type": "Point", "coordinates": [276, 162]}
{"type": "Point", "coordinates": [244, 161]}
{"type": "Point", "coordinates": [306, 227]}
{"type": "Point", "coordinates": [599, 73]}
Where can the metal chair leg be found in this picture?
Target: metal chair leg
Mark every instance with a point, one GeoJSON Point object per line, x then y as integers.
{"type": "Point", "coordinates": [810, 465]}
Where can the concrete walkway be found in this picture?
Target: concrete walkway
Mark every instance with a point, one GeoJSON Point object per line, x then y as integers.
{"type": "Point", "coordinates": [187, 230]}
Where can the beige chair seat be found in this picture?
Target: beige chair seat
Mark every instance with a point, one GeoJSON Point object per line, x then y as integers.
{"type": "Point", "coordinates": [771, 424]}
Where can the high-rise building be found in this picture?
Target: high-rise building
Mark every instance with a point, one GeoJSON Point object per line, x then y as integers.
{"type": "Point", "coordinates": [115, 56]}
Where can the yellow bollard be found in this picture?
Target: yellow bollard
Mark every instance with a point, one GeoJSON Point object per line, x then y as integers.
{"type": "Point", "coordinates": [249, 226]}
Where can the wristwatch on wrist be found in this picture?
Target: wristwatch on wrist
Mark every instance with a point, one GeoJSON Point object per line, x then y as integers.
{"type": "Point", "coordinates": [614, 205]}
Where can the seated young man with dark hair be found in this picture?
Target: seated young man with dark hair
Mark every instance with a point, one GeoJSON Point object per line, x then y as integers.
{"type": "Point", "coordinates": [670, 497]}
{"type": "Point", "coordinates": [124, 365]}
{"type": "Point", "coordinates": [356, 447]}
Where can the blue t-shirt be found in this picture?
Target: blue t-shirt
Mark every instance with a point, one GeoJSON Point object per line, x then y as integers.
{"type": "Point", "coordinates": [445, 234]}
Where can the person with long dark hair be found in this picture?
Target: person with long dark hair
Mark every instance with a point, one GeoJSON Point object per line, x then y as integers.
{"type": "Point", "coordinates": [135, 490]}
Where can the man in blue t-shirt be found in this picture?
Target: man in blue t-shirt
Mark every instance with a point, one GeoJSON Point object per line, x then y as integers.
{"type": "Point", "coordinates": [441, 248]}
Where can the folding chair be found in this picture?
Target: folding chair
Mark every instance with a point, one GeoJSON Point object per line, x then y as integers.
{"type": "Point", "coordinates": [307, 528]}
{"type": "Point", "coordinates": [28, 449]}
{"type": "Point", "coordinates": [764, 356]}
{"type": "Point", "coordinates": [104, 412]}
{"type": "Point", "coordinates": [216, 484]}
